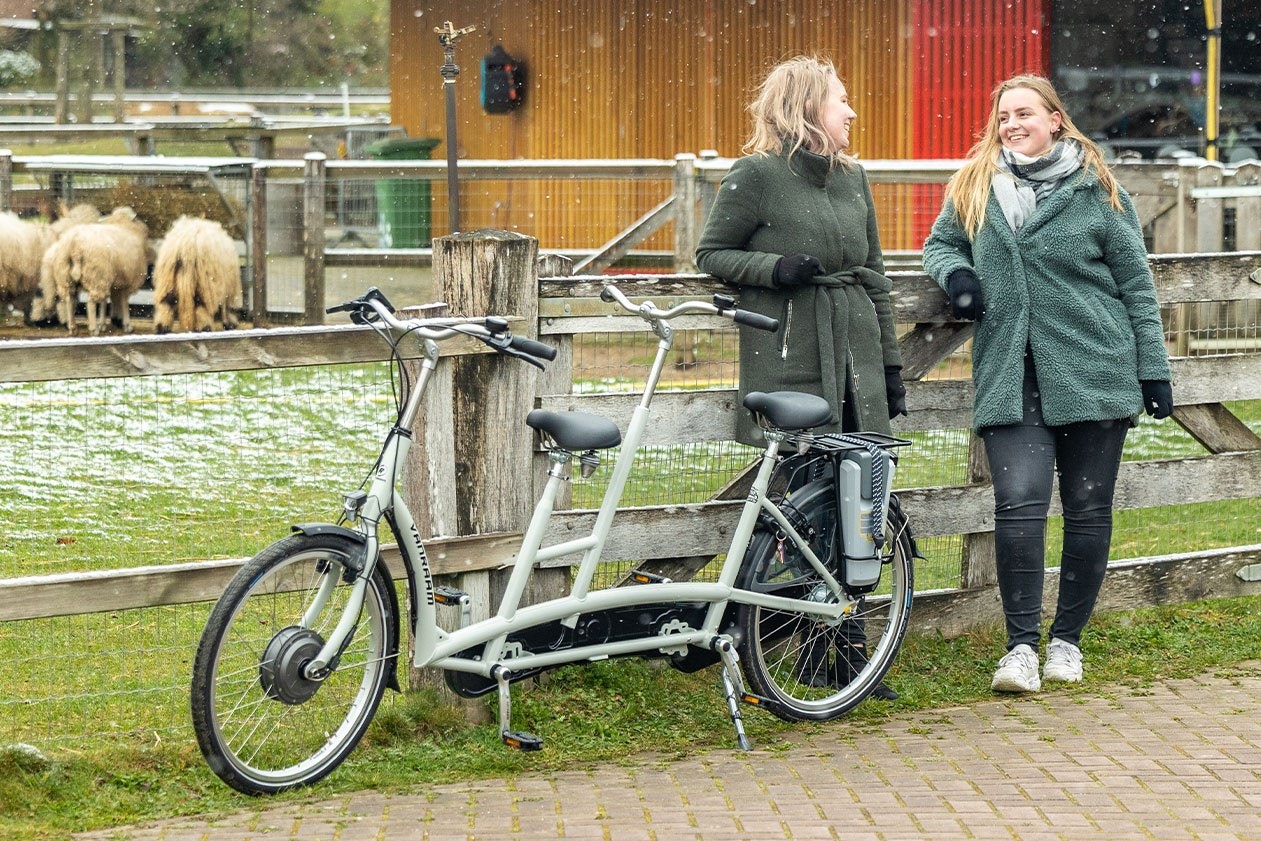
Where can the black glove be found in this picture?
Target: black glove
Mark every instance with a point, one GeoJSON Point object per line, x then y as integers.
{"type": "Point", "coordinates": [894, 391]}
{"type": "Point", "coordinates": [796, 270]}
{"type": "Point", "coordinates": [966, 302]}
{"type": "Point", "coordinates": [1157, 398]}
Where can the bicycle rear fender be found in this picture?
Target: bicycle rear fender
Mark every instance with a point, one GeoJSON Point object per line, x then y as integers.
{"type": "Point", "coordinates": [313, 529]}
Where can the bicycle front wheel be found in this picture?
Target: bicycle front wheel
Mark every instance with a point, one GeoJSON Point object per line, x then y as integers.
{"type": "Point", "coordinates": [812, 670]}
{"type": "Point", "coordinates": [262, 723]}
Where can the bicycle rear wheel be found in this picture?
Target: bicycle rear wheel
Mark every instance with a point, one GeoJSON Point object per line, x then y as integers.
{"type": "Point", "coordinates": [810, 670]}
{"type": "Point", "coordinates": [262, 724]}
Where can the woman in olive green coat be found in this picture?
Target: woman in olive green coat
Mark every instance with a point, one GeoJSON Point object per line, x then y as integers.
{"type": "Point", "coordinates": [793, 225]}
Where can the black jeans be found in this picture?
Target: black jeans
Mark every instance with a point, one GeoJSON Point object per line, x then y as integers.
{"type": "Point", "coordinates": [1086, 457]}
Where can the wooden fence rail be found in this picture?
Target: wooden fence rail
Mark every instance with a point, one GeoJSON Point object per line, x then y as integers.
{"type": "Point", "coordinates": [476, 269]}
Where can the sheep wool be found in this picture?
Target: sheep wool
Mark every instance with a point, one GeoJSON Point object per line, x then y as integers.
{"type": "Point", "coordinates": [196, 278]}
{"type": "Point", "coordinates": [107, 261]}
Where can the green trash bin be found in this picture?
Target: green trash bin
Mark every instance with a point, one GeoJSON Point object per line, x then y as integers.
{"type": "Point", "coordinates": [403, 204]}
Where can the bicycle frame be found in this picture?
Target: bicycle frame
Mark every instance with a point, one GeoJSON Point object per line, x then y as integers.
{"type": "Point", "coordinates": [438, 648]}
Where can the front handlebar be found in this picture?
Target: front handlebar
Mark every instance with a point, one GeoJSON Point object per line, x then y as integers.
{"type": "Point", "coordinates": [373, 307]}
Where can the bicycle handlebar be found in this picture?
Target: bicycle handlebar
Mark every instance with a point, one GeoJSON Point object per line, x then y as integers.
{"type": "Point", "coordinates": [491, 330]}
{"type": "Point", "coordinates": [722, 305]}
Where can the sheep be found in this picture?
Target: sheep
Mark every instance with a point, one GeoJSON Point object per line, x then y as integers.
{"type": "Point", "coordinates": [107, 260]}
{"type": "Point", "coordinates": [22, 246]}
{"type": "Point", "coordinates": [196, 278]}
{"type": "Point", "coordinates": [44, 309]}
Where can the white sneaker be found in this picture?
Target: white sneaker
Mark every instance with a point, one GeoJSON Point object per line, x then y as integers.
{"type": "Point", "coordinates": [1063, 662]}
{"type": "Point", "coordinates": [1017, 671]}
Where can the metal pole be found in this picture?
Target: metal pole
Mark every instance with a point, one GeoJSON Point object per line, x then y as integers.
{"type": "Point", "coordinates": [1212, 88]}
{"type": "Point", "coordinates": [447, 35]}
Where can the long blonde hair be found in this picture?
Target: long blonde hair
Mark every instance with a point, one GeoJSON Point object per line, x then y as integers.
{"type": "Point", "coordinates": [969, 189]}
{"type": "Point", "coordinates": [788, 108]}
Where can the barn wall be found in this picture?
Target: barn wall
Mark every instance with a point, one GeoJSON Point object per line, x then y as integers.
{"type": "Point", "coordinates": [630, 79]}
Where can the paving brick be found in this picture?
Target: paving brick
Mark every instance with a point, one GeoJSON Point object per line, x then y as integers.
{"type": "Point", "coordinates": [1180, 761]}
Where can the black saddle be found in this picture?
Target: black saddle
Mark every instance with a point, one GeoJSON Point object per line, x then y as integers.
{"type": "Point", "coordinates": [789, 410]}
{"type": "Point", "coordinates": [575, 431]}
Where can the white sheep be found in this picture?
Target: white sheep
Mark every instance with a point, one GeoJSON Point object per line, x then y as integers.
{"type": "Point", "coordinates": [22, 246]}
{"type": "Point", "coordinates": [44, 309]}
{"type": "Point", "coordinates": [196, 278]}
{"type": "Point", "coordinates": [107, 260]}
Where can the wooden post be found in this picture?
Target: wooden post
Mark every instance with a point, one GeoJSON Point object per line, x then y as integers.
{"type": "Point", "coordinates": [6, 180]}
{"type": "Point", "coordinates": [685, 213]}
{"type": "Point", "coordinates": [979, 567]}
{"type": "Point", "coordinates": [118, 39]}
{"type": "Point", "coordinates": [61, 111]}
{"type": "Point", "coordinates": [313, 237]}
{"type": "Point", "coordinates": [256, 245]}
{"type": "Point", "coordinates": [484, 484]}
{"type": "Point", "coordinates": [490, 272]}
{"type": "Point", "coordinates": [1208, 212]}
{"type": "Point", "coordinates": [1248, 209]}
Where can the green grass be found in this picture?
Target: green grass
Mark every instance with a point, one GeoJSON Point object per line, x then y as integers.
{"type": "Point", "coordinates": [606, 712]}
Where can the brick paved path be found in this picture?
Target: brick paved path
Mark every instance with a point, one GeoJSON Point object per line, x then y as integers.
{"type": "Point", "coordinates": [1177, 760]}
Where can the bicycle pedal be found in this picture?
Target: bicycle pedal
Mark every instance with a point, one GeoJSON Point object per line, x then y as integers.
{"type": "Point", "coordinates": [522, 741]}
{"type": "Point", "coordinates": [639, 576]}
{"type": "Point", "coordinates": [756, 700]}
{"type": "Point", "coordinates": [448, 595]}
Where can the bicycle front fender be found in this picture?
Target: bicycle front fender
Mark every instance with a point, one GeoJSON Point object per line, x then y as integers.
{"type": "Point", "coordinates": [314, 529]}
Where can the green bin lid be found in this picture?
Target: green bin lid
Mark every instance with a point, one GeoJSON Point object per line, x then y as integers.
{"type": "Point", "coordinates": [402, 147]}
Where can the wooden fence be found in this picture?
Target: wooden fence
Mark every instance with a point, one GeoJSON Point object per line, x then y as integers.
{"type": "Point", "coordinates": [481, 405]}
{"type": "Point", "coordinates": [1187, 206]}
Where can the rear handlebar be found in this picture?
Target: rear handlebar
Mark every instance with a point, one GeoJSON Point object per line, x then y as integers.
{"type": "Point", "coordinates": [723, 305]}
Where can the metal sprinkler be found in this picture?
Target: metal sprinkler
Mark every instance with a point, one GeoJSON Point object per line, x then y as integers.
{"type": "Point", "coordinates": [448, 35]}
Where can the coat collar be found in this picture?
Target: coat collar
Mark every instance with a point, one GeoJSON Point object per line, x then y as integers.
{"type": "Point", "coordinates": [811, 166]}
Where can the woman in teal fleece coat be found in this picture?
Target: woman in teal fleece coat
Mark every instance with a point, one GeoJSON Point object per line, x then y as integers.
{"type": "Point", "coordinates": [794, 226]}
{"type": "Point", "coordinates": [1042, 248]}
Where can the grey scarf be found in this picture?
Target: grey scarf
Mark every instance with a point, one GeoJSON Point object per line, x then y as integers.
{"type": "Point", "coordinates": [1023, 182]}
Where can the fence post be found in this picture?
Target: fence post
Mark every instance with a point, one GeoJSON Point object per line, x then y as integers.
{"type": "Point", "coordinates": [489, 272]}
{"type": "Point", "coordinates": [1208, 212]}
{"type": "Point", "coordinates": [6, 180]}
{"type": "Point", "coordinates": [685, 212]}
{"type": "Point", "coordinates": [1248, 209]}
{"type": "Point", "coordinates": [313, 172]}
{"type": "Point", "coordinates": [979, 566]}
{"type": "Point", "coordinates": [258, 245]}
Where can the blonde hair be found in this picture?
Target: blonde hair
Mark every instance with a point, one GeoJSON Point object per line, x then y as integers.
{"type": "Point", "coordinates": [969, 188]}
{"type": "Point", "coordinates": [788, 109]}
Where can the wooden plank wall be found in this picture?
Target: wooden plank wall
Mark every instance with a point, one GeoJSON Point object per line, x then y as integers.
{"type": "Point", "coordinates": [631, 79]}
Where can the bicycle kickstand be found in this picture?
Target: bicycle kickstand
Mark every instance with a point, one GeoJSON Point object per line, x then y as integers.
{"type": "Point", "coordinates": [512, 738]}
{"type": "Point", "coordinates": [733, 687]}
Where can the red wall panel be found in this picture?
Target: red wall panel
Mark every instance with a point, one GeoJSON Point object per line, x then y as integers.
{"type": "Point", "coordinates": [961, 50]}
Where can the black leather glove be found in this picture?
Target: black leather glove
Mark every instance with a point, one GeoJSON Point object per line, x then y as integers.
{"type": "Point", "coordinates": [796, 269]}
{"type": "Point", "coordinates": [965, 295]}
{"type": "Point", "coordinates": [895, 391]}
{"type": "Point", "coordinates": [1157, 398]}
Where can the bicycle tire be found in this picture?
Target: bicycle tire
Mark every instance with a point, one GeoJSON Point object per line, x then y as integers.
{"type": "Point", "coordinates": [262, 726]}
{"type": "Point", "coordinates": [807, 669]}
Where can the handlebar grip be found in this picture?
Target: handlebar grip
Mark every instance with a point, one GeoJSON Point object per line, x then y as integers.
{"type": "Point", "coordinates": [755, 320]}
{"type": "Point", "coordinates": [533, 348]}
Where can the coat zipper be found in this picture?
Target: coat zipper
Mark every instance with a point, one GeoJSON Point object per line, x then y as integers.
{"type": "Point", "coordinates": [788, 320]}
